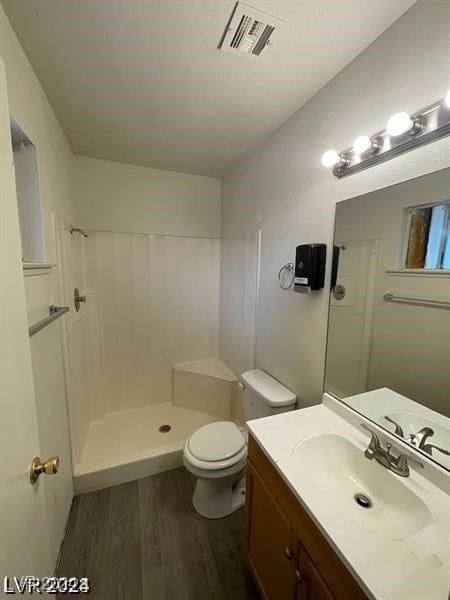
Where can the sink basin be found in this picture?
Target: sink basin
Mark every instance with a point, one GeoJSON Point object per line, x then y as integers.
{"type": "Point", "coordinates": [330, 471]}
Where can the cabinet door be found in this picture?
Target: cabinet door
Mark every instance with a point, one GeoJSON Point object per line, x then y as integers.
{"type": "Point", "coordinates": [270, 548]}
{"type": "Point", "coordinates": [310, 584]}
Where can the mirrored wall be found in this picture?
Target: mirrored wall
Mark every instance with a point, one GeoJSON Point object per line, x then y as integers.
{"type": "Point", "coordinates": [389, 321]}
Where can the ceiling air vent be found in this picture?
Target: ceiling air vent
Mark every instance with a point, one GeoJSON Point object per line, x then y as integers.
{"type": "Point", "coordinates": [249, 31]}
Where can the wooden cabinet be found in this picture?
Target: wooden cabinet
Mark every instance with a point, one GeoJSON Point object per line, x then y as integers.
{"type": "Point", "coordinates": [286, 554]}
{"type": "Point", "coordinates": [311, 585]}
{"type": "Point", "coordinates": [271, 545]}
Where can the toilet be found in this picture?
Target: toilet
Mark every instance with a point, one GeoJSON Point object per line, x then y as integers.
{"type": "Point", "coordinates": [217, 453]}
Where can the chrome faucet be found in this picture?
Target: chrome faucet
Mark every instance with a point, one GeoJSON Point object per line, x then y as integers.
{"type": "Point", "coordinates": [418, 439]}
{"type": "Point", "coordinates": [398, 465]}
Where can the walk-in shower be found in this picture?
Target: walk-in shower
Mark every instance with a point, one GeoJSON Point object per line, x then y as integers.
{"type": "Point", "coordinates": [141, 352]}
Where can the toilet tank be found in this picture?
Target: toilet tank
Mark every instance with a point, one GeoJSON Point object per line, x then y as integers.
{"type": "Point", "coordinates": [263, 395]}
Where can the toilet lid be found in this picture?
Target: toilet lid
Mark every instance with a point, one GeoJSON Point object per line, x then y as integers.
{"type": "Point", "coordinates": [216, 441]}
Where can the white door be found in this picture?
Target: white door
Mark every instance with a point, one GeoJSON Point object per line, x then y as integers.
{"type": "Point", "coordinates": [24, 539]}
{"type": "Point", "coordinates": [350, 319]}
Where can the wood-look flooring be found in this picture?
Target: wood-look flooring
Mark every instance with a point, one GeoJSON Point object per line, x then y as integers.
{"type": "Point", "coordinates": [143, 541]}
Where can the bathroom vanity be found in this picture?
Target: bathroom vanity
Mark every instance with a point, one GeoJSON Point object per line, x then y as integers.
{"type": "Point", "coordinates": [307, 535]}
{"type": "Point", "coordinates": [286, 552]}
{"type": "Point", "coordinates": [349, 499]}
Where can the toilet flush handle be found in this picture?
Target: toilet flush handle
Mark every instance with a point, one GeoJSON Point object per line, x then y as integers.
{"type": "Point", "coordinates": [241, 385]}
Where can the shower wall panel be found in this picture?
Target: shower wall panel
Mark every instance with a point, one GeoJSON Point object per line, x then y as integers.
{"type": "Point", "coordinates": [156, 302]}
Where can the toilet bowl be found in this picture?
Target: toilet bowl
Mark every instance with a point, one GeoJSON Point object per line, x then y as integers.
{"type": "Point", "coordinates": [217, 453]}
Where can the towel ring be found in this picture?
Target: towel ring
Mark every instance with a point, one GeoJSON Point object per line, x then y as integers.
{"type": "Point", "coordinates": [287, 267]}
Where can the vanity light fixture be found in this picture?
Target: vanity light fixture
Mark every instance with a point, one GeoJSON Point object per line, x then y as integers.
{"type": "Point", "coordinates": [447, 99]}
{"type": "Point", "coordinates": [331, 158]}
{"type": "Point", "coordinates": [401, 123]}
{"type": "Point", "coordinates": [364, 144]}
{"type": "Point", "coordinates": [403, 132]}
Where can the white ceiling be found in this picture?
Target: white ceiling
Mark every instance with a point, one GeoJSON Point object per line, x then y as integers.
{"type": "Point", "coordinates": [142, 81]}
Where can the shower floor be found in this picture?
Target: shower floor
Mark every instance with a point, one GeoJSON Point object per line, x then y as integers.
{"type": "Point", "coordinates": [126, 445]}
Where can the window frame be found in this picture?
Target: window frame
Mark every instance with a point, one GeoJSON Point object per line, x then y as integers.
{"type": "Point", "coordinates": [407, 211]}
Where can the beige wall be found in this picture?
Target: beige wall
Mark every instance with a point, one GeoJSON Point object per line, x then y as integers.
{"type": "Point", "coordinates": [282, 186]}
{"type": "Point", "coordinates": [117, 197]}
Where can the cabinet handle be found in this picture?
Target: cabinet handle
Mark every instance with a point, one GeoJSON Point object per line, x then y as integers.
{"type": "Point", "coordinates": [288, 553]}
{"type": "Point", "coordinates": [298, 576]}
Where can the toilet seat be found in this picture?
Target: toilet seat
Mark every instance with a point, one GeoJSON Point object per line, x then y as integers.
{"type": "Point", "coordinates": [216, 446]}
{"type": "Point", "coordinates": [218, 465]}
{"type": "Point", "coordinates": [216, 441]}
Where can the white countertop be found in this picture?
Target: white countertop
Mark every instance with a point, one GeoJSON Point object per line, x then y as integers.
{"type": "Point", "coordinates": [416, 567]}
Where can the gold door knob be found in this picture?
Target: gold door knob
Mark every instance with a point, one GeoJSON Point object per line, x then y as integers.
{"type": "Point", "coordinates": [38, 466]}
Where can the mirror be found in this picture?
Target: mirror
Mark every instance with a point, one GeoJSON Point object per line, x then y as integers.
{"type": "Point", "coordinates": [389, 320]}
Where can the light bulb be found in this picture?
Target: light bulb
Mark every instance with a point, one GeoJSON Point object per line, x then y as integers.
{"type": "Point", "coordinates": [362, 144]}
{"type": "Point", "coordinates": [330, 158]}
{"type": "Point", "coordinates": [447, 99]}
{"type": "Point", "coordinates": [399, 123]}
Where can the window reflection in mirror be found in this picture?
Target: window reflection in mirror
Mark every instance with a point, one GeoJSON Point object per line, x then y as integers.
{"type": "Point", "coordinates": [428, 229]}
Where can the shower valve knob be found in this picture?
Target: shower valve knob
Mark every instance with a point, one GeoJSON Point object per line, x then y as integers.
{"type": "Point", "coordinates": [77, 299]}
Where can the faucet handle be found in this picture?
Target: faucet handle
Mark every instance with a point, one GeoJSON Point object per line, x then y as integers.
{"type": "Point", "coordinates": [374, 443]}
{"type": "Point", "coordinates": [400, 464]}
{"type": "Point", "coordinates": [398, 429]}
{"type": "Point", "coordinates": [428, 448]}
